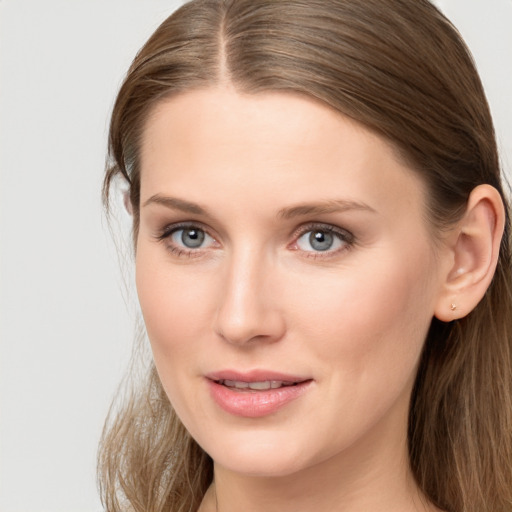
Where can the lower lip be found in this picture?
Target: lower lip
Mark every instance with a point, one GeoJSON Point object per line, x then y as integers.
{"type": "Point", "coordinates": [255, 403]}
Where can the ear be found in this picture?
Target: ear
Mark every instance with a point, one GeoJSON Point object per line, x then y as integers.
{"type": "Point", "coordinates": [472, 254]}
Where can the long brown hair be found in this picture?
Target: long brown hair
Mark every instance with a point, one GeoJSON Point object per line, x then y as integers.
{"type": "Point", "coordinates": [401, 69]}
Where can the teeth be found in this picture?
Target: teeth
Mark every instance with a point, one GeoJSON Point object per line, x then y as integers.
{"type": "Point", "coordinates": [260, 385]}
{"type": "Point", "coordinates": [257, 386]}
{"type": "Point", "coordinates": [236, 384]}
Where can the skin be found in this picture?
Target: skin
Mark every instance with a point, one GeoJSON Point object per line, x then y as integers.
{"type": "Point", "coordinates": [257, 295]}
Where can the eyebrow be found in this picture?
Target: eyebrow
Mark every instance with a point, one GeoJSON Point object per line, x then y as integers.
{"type": "Point", "coordinates": [331, 206]}
{"type": "Point", "coordinates": [176, 204]}
{"type": "Point", "coordinates": [319, 208]}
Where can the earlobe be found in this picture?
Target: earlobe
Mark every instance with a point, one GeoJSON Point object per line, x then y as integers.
{"type": "Point", "coordinates": [474, 251]}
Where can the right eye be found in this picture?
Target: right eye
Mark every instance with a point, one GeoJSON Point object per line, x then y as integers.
{"type": "Point", "coordinates": [186, 239]}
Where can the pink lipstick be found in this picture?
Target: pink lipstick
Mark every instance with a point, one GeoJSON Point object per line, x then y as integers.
{"type": "Point", "coordinates": [255, 394]}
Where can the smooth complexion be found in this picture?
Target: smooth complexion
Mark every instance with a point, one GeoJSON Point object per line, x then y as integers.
{"type": "Point", "coordinates": [280, 241]}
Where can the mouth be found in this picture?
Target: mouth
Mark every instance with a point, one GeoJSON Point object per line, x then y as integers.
{"type": "Point", "coordinates": [255, 394]}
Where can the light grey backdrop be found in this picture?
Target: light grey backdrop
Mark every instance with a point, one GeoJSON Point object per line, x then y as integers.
{"type": "Point", "coordinates": [65, 331]}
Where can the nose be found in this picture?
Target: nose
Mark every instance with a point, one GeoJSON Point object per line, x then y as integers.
{"type": "Point", "coordinates": [249, 308]}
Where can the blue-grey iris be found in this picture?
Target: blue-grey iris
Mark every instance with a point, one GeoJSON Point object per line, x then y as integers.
{"type": "Point", "coordinates": [321, 240]}
{"type": "Point", "coordinates": [192, 238]}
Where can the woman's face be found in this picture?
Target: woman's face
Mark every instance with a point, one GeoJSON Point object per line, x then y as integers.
{"type": "Point", "coordinates": [286, 276]}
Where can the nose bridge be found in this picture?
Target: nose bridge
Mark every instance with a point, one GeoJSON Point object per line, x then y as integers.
{"type": "Point", "coordinates": [246, 310]}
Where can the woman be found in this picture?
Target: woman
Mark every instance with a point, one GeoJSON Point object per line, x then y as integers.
{"type": "Point", "coordinates": [322, 261]}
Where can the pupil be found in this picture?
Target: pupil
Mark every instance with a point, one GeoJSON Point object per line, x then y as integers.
{"type": "Point", "coordinates": [192, 238]}
{"type": "Point", "coordinates": [320, 240]}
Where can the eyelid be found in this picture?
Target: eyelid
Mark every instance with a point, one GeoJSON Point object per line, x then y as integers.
{"type": "Point", "coordinates": [169, 229]}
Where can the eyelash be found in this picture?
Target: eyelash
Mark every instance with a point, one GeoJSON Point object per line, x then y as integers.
{"type": "Point", "coordinates": [342, 235]}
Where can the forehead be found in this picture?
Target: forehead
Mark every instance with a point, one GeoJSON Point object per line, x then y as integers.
{"type": "Point", "coordinates": [268, 119]}
{"type": "Point", "coordinates": [280, 145]}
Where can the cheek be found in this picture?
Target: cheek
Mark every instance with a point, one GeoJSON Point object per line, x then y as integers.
{"type": "Point", "coordinates": [173, 305]}
{"type": "Point", "coordinates": [369, 324]}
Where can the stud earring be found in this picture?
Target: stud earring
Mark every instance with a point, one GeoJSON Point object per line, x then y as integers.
{"type": "Point", "coordinates": [453, 306]}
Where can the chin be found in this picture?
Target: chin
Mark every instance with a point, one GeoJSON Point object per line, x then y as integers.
{"type": "Point", "coordinates": [260, 457]}
{"type": "Point", "coordinates": [257, 466]}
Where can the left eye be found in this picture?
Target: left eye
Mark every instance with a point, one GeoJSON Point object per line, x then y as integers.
{"type": "Point", "coordinates": [191, 237]}
{"type": "Point", "coordinates": [321, 240]}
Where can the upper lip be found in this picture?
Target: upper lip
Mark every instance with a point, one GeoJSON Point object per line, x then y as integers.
{"type": "Point", "coordinates": [255, 376]}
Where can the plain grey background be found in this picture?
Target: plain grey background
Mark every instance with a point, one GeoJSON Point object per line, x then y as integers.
{"type": "Point", "coordinates": [65, 328]}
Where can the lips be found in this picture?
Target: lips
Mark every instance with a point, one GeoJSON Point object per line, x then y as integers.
{"type": "Point", "coordinates": [257, 393]}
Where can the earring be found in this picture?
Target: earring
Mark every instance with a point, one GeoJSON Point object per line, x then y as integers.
{"type": "Point", "coordinates": [453, 306]}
